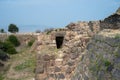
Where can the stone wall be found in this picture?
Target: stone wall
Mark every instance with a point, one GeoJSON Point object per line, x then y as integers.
{"type": "Point", "coordinates": [111, 22]}
{"type": "Point", "coordinates": [101, 59]}
{"type": "Point", "coordinates": [91, 27]}
{"type": "Point", "coordinates": [60, 64]}
{"type": "Point", "coordinates": [88, 52]}
{"type": "Point", "coordinates": [53, 63]}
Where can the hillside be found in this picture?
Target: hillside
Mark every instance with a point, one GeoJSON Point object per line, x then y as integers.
{"type": "Point", "coordinates": [20, 66]}
{"type": "Point", "coordinates": [80, 51]}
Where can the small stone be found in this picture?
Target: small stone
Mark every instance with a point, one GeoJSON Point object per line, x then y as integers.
{"type": "Point", "coordinates": [52, 75]}
{"type": "Point", "coordinates": [73, 55]}
{"type": "Point", "coordinates": [70, 63]}
{"type": "Point", "coordinates": [116, 74]}
{"type": "Point", "coordinates": [57, 69]}
{"type": "Point", "coordinates": [52, 63]}
{"type": "Point", "coordinates": [69, 70]}
{"type": "Point", "coordinates": [58, 62]}
{"type": "Point", "coordinates": [101, 75]}
{"type": "Point", "coordinates": [39, 43]}
{"type": "Point", "coordinates": [46, 57]}
{"type": "Point", "coordinates": [86, 78]}
{"type": "Point", "coordinates": [110, 68]}
{"type": "Point", "coordinates": [40, 70]}
{"type": "Point", "coordinates": [52, 57]}
{"type": "Point", "coordinates": [117, 60]}
{"type": "Point", "coordinates": [39, 57]}
{"type": "Point", "coordinates": [60, 76]}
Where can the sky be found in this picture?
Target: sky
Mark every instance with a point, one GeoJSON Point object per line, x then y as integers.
{"type": "Point", "coordinates": [54, 13]}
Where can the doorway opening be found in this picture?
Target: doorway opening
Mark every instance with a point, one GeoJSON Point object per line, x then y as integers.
{"type": "Point", "coordinates": [59, 41]}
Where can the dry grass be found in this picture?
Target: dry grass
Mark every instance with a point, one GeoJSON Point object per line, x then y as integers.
{"type": "Point", "coordinates": [22, 66]}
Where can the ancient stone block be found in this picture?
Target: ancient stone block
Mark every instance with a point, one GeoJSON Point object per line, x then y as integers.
{"type": "Point", "coordinates": [46, 57]}
{"type": "Point", "coordinates": [69, 70]}
{"type": "Point", "coordinates": [73, 55]}
{"type": "Point", "coordinates": [40, 70]}
{"type": "Point", "coordinates": [70, 63]}
{"type": "Point", "coordinates": [57, 69]}
{"type": "Point", "coordinates": [60, 76]}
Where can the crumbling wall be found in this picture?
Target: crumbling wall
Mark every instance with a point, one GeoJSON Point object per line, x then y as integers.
{"type": "Point", "coordinates": [101, 59]}
{"type": "Point", "coordinates": [111, 22]}
{"type": "Point", "coordinates": [65, 60]}
{"type": "Point", "coordinates": [75, 60]}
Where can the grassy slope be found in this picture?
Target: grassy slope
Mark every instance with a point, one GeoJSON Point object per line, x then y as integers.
{"type": "Point", "coordinates": [21, 66]}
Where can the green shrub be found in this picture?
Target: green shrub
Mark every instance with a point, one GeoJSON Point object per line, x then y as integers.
{"type": "Point", "coordinates": [9, 48]}
{"type": "Point", "coordinates": [2, 52]}
{"type": "Point", "coordinates": [2, 31]}
{"type": "Point", "coordinates": [13, 39]}
{"type": "Point", "coordinates": [30, 43]}
{"type": "Point", "coordinates": [1, 46]}
{"type": "Point", "coordinates": [107, 63]}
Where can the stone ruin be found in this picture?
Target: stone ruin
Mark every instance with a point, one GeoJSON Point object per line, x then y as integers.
{"type": "Point", "coordinates": [60, 52]}
{"type": "Point", "coordinates": [56, 59]}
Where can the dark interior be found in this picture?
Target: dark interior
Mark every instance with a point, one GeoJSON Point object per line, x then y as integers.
{"type": "Point", "coordinates": [59, 41]}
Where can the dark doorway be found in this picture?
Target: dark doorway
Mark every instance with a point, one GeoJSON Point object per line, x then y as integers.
{"type": "Point", "coordinates": [59, 41]}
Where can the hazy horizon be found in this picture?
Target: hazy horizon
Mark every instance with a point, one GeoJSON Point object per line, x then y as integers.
{"type": "Point", "coordinates": [53, 13]}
